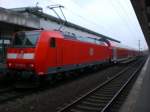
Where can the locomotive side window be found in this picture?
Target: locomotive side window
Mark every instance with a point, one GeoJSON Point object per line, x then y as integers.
{"type": "Point", "coordinates": [53, 42]}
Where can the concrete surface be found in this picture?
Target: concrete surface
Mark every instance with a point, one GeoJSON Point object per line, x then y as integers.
{"type": "Point", "coordinates": [139, 97]}
{"type": "Point", "coordinates": [143, 101]}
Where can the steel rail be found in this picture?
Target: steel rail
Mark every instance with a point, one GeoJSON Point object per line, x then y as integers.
{"type": "Point", "coordinates": [121, 89]}
{"type": "Point", "coordinates": [64, 109]}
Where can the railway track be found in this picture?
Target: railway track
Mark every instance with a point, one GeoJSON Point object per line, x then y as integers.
{"type": "Point", "coordinates": [103, 96]}
{"type": "Point", "coordinates": [10, 93]}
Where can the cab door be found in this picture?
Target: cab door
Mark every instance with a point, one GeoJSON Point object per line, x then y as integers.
{"type": "Point", "coordinates": [59, 51]}
{"type": "Point", "coordinates": [52, 52]}
{"type": "Point", "coordinates": [55, 52]}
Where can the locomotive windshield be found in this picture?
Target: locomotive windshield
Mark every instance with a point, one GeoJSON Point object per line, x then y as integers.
{"type": "Point", "coordinates": [26, 39]}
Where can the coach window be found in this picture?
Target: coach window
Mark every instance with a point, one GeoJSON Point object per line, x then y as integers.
{"type": "Point", "coordinates": [52, 42]}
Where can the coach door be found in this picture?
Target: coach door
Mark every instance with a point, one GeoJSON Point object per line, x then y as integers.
{"type": "Point", "coordinates": [114, 52]}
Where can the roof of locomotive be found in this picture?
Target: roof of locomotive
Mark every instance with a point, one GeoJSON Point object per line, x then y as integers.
{"type": "Point", "coordinates": [83, 38]}
{"type": "Point", "coordinates": [38, 12]}
{"type": "Point", "coordinates": [61, 34]}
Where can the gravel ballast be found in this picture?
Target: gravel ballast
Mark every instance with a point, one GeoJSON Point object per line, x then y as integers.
{"type": "Point", "coordinates": [52, 99]}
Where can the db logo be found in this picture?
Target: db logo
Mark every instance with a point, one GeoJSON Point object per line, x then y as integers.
{"type": "Point", "coordinates": [91, 51]}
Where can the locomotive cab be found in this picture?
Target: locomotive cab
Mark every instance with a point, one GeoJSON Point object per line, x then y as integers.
{"type": "Point", "coordinates": [21, 55]}
{"type": "Point", "coordinates": [30, 50]}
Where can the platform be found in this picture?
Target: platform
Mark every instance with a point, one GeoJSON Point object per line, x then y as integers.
{"type": "Point", "coordinates": [139, 97]}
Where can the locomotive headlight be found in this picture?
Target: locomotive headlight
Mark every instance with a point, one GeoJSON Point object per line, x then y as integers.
{"type": "Point", "coordinates": [31, 65]}
{"type": "Point", "coordinates": [9, 64]}
{"type": "Point", "coordinates": [41, 73]}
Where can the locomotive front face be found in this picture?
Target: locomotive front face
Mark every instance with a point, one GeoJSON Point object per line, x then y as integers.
{"type": "Point", "coordinates": [21, 55]}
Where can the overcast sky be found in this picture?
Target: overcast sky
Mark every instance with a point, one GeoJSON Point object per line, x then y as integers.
{"type": "Point", "coordinates": [114, 18]}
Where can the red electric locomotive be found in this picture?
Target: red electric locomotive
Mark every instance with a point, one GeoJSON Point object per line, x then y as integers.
{"type": "Point", "coordinates": [45, 52]}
